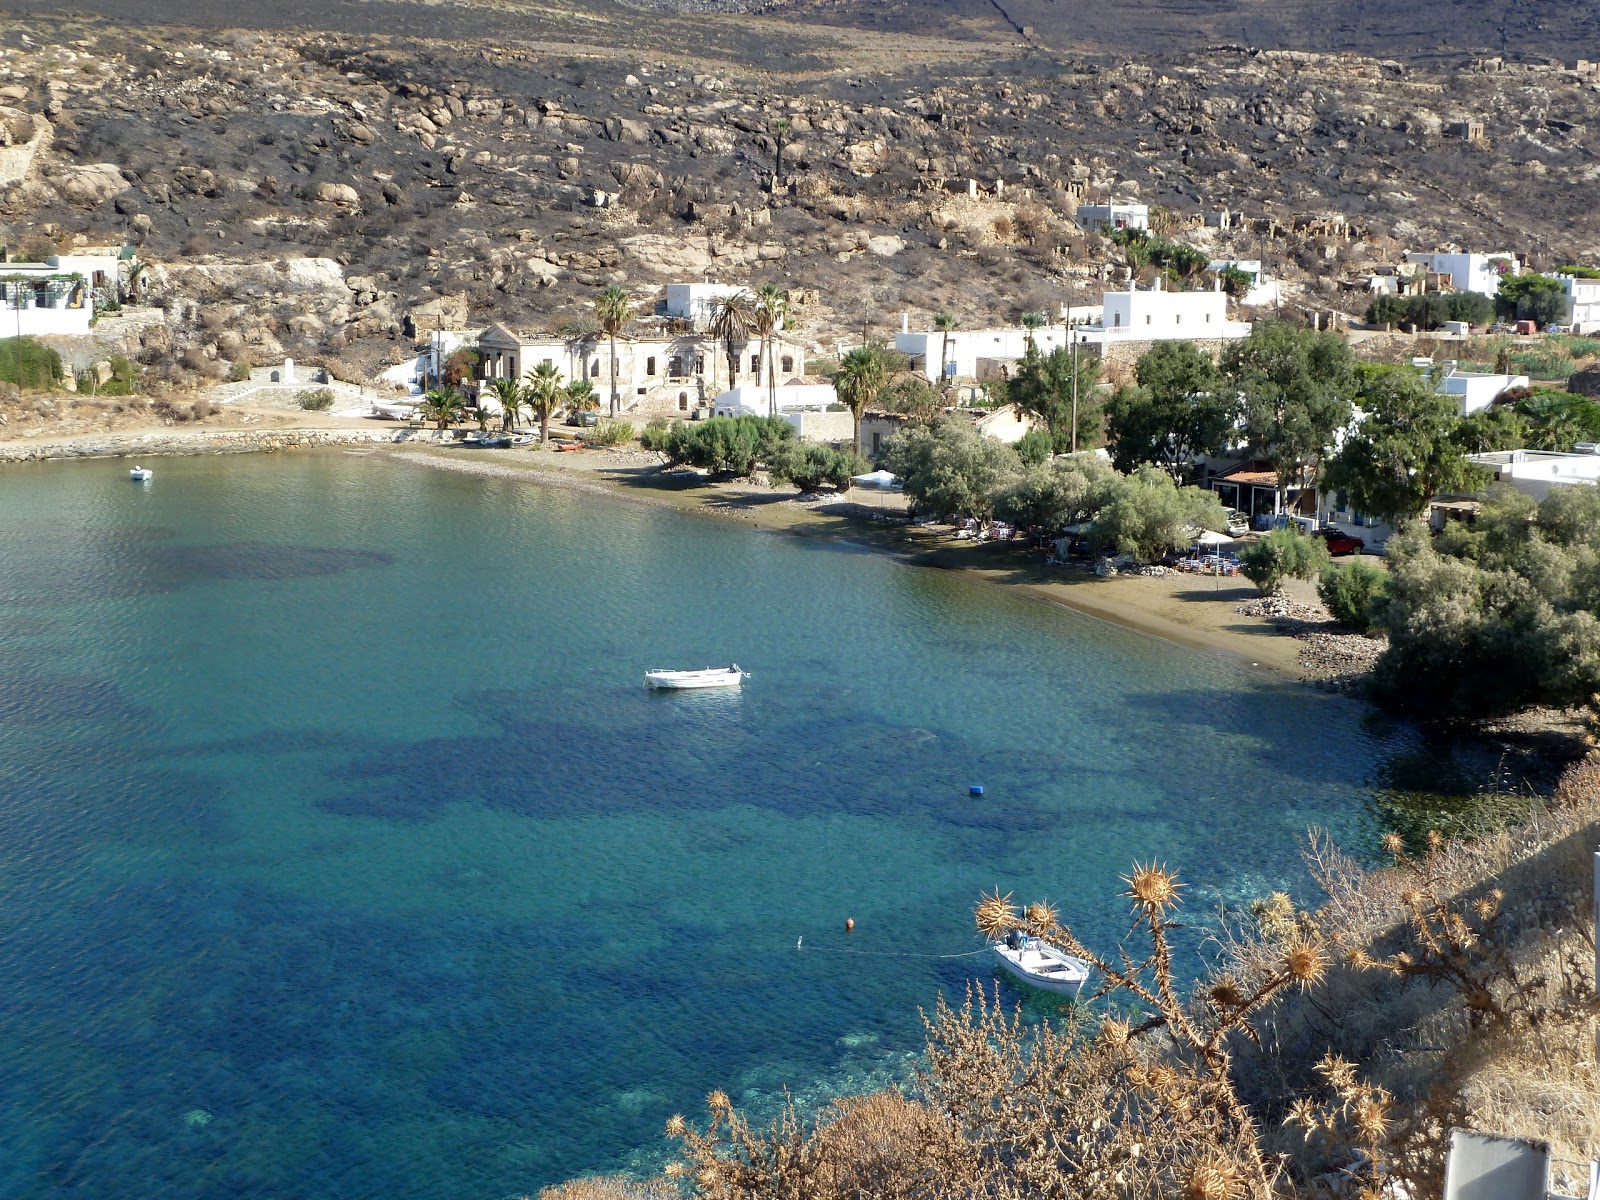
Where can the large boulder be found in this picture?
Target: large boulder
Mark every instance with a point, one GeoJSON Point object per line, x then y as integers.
{"type": "Point", "coordinates": [341, 194]}
{"type": "Point", "coordinates": [90, 185]}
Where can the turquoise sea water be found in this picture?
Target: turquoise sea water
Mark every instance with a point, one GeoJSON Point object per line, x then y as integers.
{"type": "Point", "coordinates": [342, 852]}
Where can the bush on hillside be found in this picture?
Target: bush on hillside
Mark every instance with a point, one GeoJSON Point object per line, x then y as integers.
{"type": "Point", "coordinates": [316, 399]}
{"type": "Point", "coordinates": [41, 366]}
{"type": "Point", "coordinates": [1351, 592]}
{"type": "Point", "coordinates": [1283, 554]}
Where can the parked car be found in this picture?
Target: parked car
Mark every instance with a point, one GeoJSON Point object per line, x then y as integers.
{"type": "Point", "coordinates": [1238, 523]}
{"type": "Point", "coordinates": [1502, 327]}
{"type": "Point", "coordinates": [1340, 542]}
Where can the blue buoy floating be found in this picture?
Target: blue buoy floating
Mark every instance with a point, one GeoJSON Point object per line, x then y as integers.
{"type": "Point", "coordinates": [975, 790]}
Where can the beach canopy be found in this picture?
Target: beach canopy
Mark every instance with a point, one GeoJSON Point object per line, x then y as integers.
{"type": "Point", "coordinates": [881, 479]}
{"type": "Point", "coordinates": [1209, 537]}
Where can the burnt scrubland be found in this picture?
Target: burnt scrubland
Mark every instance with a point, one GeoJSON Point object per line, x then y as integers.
{"type": "Point", "coordinates": [299, 189]}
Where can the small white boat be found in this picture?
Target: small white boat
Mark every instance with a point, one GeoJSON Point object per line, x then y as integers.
{"type": "Point", "coordinates": [730, 676]}
{"type": "Point", "coordinates": [141, 474]}
{"type": "Point", "coordinates": [1041, 965]}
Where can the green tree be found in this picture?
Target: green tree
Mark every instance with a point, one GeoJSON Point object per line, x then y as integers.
{"type": "Point", "coordinates": [1235, 282]}
{"type": "Point", "coordinates": [1032, 322]}
{"type": "Point", "coordinates": [945, 324]}
{"type": "Point", "coordinates": [579, 397]}
{"type": "Point", "coordinates": [1296, 386]}
{"type": "Point", "coordinates": [1283, 554]}
{"type": "Point", "coordinates": [730, 444]}
{"type": "Point", "coordinates": [613, 310]}
{"type": "Point", "coordinates": [544, 396]}
{"type": "Point", "coordinates": [731, 319]}
{"type": "Point", "coordinates": [810, 467]}
{"type": "Point", "coordinates": [911, 395]}
{"type": "Point", "coordinates": [949, 468]}
{"type": "Point", "coordinates": [444, 405]}
{"type": "Point", "coordinates": [1067, 490]}
{"type": "Point", "coordinates": [861, 376]}
{"type": "Point", "coordinates": [1499, 427]}
{"type": "Point", "coordinates": [1178, 410]}
{"type": "Point", "coordinates": [1515, 297]}
{"type": "Point", "coordinates": [1405, 451]}
{"type": "Point", "coordinates": [1035, 447]}
{"type": "Point", "coordinates": [771, 306]}
{"type": "Point", "coordinates": [511, 394]}
{"type": "Point", "coordinates": [1044, 385]}
{"type": "Point", "coordinates": [1147, 515]}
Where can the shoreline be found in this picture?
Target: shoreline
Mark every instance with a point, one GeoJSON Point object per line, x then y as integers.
{"type": "Point", "coordinates": [1190, 611]}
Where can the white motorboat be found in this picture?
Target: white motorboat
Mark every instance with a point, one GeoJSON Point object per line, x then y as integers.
{"type": "Point", "coordinates": [394, 411]}
{"type": "Point", "coordinates": [711, 677]}
{"type": "Point", "coordinates": [141, 474]}
{"type": "Point", "coordinates": [1039, 964]}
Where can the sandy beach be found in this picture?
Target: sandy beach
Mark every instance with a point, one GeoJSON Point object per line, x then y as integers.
{"type": "Point", "coordinates": [1195, 611]}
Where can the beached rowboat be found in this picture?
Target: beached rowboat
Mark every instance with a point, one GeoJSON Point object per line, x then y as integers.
{"type": "Point", "coordinates": [711, 677]}
{"type": "Point", "coordinates": [1041, 965]}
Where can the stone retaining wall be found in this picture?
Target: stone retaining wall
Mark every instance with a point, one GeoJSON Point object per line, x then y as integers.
{"type": "Point", "coordinates": [204, 441]}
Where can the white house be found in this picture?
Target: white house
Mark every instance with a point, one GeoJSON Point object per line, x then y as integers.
{"type": "Point", "coordinates": [1117, 214]}
{"type": "Point", "coordinates": [1468, 272]}
{"type": "Point", "coordinates": [697, 302]}
{"type": "Point", "coordinates": [1476, 390]}
{"type": "Point", "coordinates": [57, 297]}
{"type": "Point", "coordinates": [667, 373]}
{"type": "Point", "coordinates": [1158, 316]}
{"type": "Point", "coordinates": [974, 353]}
{"type": "Point", "coordinates": [1536, 472]}
{"type": "Point", "coordinates": [1583, 303]}
{"type": "Point", "coordinates": [803, 405]}
{"type": "Point", "coordinates": [1263, 287]}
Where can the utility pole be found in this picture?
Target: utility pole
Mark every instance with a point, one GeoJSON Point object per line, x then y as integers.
{"type": "Point", "coordinates": [1074, 388]}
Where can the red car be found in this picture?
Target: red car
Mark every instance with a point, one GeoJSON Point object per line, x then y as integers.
{"type": "Point", "coordinates": [1341, 543]}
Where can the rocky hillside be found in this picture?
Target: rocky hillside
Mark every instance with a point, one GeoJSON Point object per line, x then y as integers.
{"type": "Point", "coordinates": [299, 192]}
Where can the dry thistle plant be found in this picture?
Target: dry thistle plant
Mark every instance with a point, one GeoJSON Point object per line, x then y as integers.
{"type": "Point", "coordinates": [1191, 1080]}
{"type": "Point", "coordinates": [1457, 944]}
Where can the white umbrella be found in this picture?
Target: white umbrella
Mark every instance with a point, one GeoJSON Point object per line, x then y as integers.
{"type": "Point", "coordinates": [878, 479]}
{"type": "Point", "coordinates": [1210, 537]}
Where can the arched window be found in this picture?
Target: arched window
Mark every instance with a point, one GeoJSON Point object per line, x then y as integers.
{"type": "Point", "coordinates": [274, 377]}
{"type": "Point", "coordinates": [683, 401]}
{"type": "Point", "coordinates": [755, 364]}
{"type": "Point", "coordinates": [675, 368]}
{"type": "Point", "coordinates": [594, 369]}
{"type": "Point", "coordinates": [788, 364]}
{"type": "Point", "coordinates": [650, 365]}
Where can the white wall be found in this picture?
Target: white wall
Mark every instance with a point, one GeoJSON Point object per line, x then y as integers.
{"type": "Point", "coordinates": [1119, 216]}
{"type": "Point", "coordinates": [1468, 272]}
{"type": "Point", "coordinates": [1536, 472]}
{"type": "Point", "coordinates": [1583, 304]}
{"type": "Point", "coordinates": [1476, 390]}
{"type": "Point", "coordinates": [752, 400]}
{"type": "Point", "coordinates": [695, 301]}
{"type": "Point", "coordinates": [967, 346]}
{"type": "Point", "coordinates": [1165, 316]}
{"type": "Point", "coordinates": [45, 322]}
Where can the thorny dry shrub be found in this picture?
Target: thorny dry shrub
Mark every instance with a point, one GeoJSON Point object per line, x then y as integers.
{"type": "Point", "coordinates": [611, 1187]}
{"type": "Point", "coordinates": [1281, 1073]}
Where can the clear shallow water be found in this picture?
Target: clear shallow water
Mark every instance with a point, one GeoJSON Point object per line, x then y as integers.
{"type": "Point", "coordinates": [343, 853]}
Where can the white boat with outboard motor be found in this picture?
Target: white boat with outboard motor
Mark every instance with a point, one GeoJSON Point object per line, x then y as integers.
{"type": "Point", "coordinates": [710, 677]}
{"type": "Point", "coordinates": [1039, 964]}
{"type": "Point", "coordinates": [141, 475]}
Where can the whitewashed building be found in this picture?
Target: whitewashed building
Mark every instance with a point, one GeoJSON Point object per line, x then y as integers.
{"type": "Point", "coordinates": [1536, 472]}
{"type": "Point", "coordinates": [1119, 214]}
{"type": "Point", "coordinates": [1161, 316]}
{"type": "Point", "coordinates": [974, 353]}
{"type": "Point", "coordinates": [1476, 390]}
{"type": "Point", "coordinates": [1263, 287]}
{"type": "Point", "coordinates": [57, 297]}
{"type": "Point", "coordinates": [1468, 272]}
{"type": "Point", "coordinates": [1583, 303]}
{"type": "Point", "coordinates": [697, 302]}
{"type": "Point", "coordinates": [667, 373]}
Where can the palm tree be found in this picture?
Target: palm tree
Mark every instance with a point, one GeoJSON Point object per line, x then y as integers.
{"type": "Point", "coordinates": [579, 397]}
{"type": "Point", "coordinates": [443, 405]}
{"type": "Point", "coordinates": [1032, 321]}
{"type": "Point", "coordinates": [771, 308]}
{"type": "Point", "coordinates": [731, 317]}
{"type": "Point", "coordinates": [613, 310]}
{"type": "Point", "coordinates": [780, 130]}
{"type": "Point", "coordinates": [511, 396]}
{"type": "Point", "coordinates": [860, 377]}
{"type": "Point", "coordinates": [544, 396]}
{"type": "Point", "coordinates": [944, 323]}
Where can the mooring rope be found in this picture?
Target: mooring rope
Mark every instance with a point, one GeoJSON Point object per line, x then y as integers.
{"type": "Point", "coordinates": [800, 944]}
